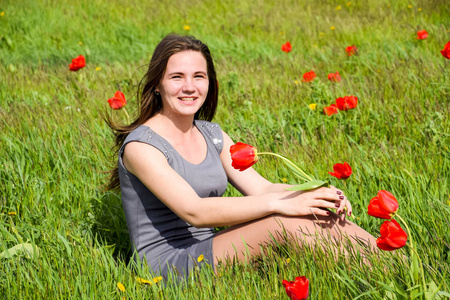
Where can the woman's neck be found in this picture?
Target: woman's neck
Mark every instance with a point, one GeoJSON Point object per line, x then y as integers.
{"type": "Point", "coordinates": [171, 126]}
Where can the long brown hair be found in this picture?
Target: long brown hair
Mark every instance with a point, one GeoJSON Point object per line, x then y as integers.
{"type": "Point", "coordinates": [150, 103]}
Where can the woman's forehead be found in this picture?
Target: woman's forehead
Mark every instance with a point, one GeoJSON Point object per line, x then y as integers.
{"type": "Point", "coordinates": [184, 61]}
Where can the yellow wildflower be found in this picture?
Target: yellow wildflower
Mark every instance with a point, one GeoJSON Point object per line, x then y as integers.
{"type": "Point", "coordinates": [121, 287]}
{"type": "Point", "coordinates": [322, 34]}
{"type": "Point", "coordinates": [200, 258]}
{"type": "Point", "coordinates": [419, 9]}
{"type": "Point", "coordinates": [296, 81]}
{"type": "Point", "coordinates": [410, 6]}
{"type": "Point", "coordinates": [313, 106]}
{"type": "Point", "coordinates": [332, 28]}
{"type": "Point", "coordinates": [143, 281]}
{"type": "Point", "coordinates": [157, 279]}
{"type": "Point", "coordinates": [12, 213]}
{"type": "Point", "coordinates": [80, 43]}
{"type": "Point", "coordinates": [338, 7]}
{"type": "Point", "coordinates": [349, 3]}
{"type": "Point", "coordinates": [187, 27]}
{"type": "Point", "coordinates": [284, 180]}
{"type": "Point", "coordinates": [2, 14]}
{"type": "Point", "coordinates": [98, 68]}
{"type": "Point", "coordinates": [288, 260]}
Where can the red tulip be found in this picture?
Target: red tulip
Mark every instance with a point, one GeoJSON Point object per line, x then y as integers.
{"type": "Point", "coordinates": [334, 77]}
{"type": "Point", "coordinates": [383, 206]}
{"type": "Point", "coordinates": [347, 102]}
{"type": "Point", "coordinates": [298, 289]}
{"type": "Point", "coordinates": [446, 51]}
{"type": "Point", "coordinates": [118, 101]}
{"type": "Point", "coordinates": [351, 50]}
{"type": "Point", "coordinates": [330, 110]}
{"type": "Point", "coordinates": [309, 76]}
{"type": "Point", "coordinates": [287, 47]}
{"type": "Point", "coordinates": [77, 63]}
{"type": "Point", "coordinates": [392, 236]}
{"type": "Point", "coordinates": [422, 34]}
{"type": "Point", "coordinates": [341, 171]}
{"type": "Point", "coordinates": [243, 156]}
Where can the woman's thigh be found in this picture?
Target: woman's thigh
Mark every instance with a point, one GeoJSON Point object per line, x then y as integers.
{"type": "Point", "coordinates": [244, 241]}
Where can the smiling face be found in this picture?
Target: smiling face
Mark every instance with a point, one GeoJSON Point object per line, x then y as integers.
{"type": "Point", "coordinates": [185, 83]}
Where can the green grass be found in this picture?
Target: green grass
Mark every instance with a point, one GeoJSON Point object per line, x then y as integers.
{"type": "Point", "coordinates": [55, 146]}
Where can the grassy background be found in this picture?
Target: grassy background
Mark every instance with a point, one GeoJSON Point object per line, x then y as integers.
{"type": "Point", "coordinates": [55, 147]}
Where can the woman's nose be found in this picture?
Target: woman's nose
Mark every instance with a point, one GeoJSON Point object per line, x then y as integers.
{"type": "Point", "coordinates": [188, 86]}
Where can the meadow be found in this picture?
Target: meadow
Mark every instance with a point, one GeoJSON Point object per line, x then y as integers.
{"type": "Point", "coordinates": [67, 236]}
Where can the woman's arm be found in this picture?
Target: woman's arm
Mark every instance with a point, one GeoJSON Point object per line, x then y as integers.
{"type": "Point", "coordinates": [250, 182]}
{"type": "Point", "coordinates": [152, 168]}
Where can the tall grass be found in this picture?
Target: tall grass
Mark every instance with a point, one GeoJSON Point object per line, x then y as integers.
{"type": "Point", "coordinates": [55, 146]}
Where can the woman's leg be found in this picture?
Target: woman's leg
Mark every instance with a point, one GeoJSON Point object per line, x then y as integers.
{"type": "Point", "coordinates": [244, 240]}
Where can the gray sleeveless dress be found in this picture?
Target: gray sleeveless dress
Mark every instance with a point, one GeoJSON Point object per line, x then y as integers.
{"type": "Point", "coordinates": [157, 234]}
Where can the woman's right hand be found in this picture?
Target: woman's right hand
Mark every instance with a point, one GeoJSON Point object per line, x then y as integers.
{"type": "Point", "coordinates": [312, 202]}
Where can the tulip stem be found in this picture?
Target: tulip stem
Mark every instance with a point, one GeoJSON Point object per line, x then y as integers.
{"type": "Point", "coordinates": [126, 113]}
{"type": "Point", "coordinates": [413, 251]}
{"type": "Point", "coordinates": [305, 176]}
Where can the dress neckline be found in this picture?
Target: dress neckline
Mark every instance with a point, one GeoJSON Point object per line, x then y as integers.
{"type": "Point", "coordinates": [175, 150]}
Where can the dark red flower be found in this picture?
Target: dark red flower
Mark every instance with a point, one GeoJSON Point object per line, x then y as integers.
{"type": "Point", "coordinates": [422, 34]}
{"type": "Point", "coordinates": [351, 50]}
{"type": "Point", "coordinates": [392, 236]}
{"type": "Point", "coordinates": [77, 63]}
{"type": "Point", "coordinates": [334, 77]}
{"type": "Point", "coordinates": [287, 47]}
{"type": "Point", "coordinates": [309, 76]}
{"type": "Point", "coordinates": [341, 171]}
{"type": "Point", "coordinates": [330, 110]}
{"type": "Point", "coordinates": [346, 103]}
{"type": "Point", "coordinates": [243, 156]}
{"type": "Point", "coordinates": [298, 289]}
{"type": "Point", "coordinates": [118, 101]}
{"type": "Point", "coordinates": [446, 51]}
{"type": "Point", "coordinates": [383, 206]}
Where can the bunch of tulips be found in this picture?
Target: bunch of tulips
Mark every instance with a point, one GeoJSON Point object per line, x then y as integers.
{"type": "Point", "coordinates": [383, 206]}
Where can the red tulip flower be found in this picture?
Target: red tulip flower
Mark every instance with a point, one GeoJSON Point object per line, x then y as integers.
{"type": "Point", "coordinates": [422, 34]}
{"type": "Point", "coordinates": [298, 289]}
{"type": "Point", "coordinates": [346, 103]}
{"type": "Point", "coordinates": [392, 236]}
{"type": "Point", "coordinates": [446, 51]}
{"type": "Point", "coordinates": [309, 76]}
{"type": "Point", "coordinates": [383, 206]}
{"type": "Point", "coordinates": [351, 50]}
{"type": "Point", "coordinates": [330, 110]}
{"type": "Point", "coordinates": [334, 77]}
{"type": "Point", "coordinates": [118, 101]}
{"type": "Point", "coordinates": [77, 63]}
{"type": "Point", "coordinates": [287, 47]}
{"type": "Point", "coordinates": [243, 156]}
{"type": "Point", "coordinates": [341, 171]}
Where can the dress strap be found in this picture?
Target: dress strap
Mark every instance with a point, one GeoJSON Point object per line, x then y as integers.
{"type": "Point", "coordinates": [212, 132]}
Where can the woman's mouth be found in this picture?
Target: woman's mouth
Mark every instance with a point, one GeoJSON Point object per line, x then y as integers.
{"type": "Point", "coordinates": [187, 99]}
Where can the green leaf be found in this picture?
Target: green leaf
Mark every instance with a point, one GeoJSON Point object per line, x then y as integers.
{"type": "Point", "coordinates": [27, 248]}
{"type": "Point", "coordinates": [313, 184]}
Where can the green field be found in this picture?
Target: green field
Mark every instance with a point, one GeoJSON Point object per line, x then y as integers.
{"type": "Point", "coordinates": [56, 149]}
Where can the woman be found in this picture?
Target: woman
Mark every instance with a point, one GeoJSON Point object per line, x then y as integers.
{"type": "Point", "coordinates": [174, 165]}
